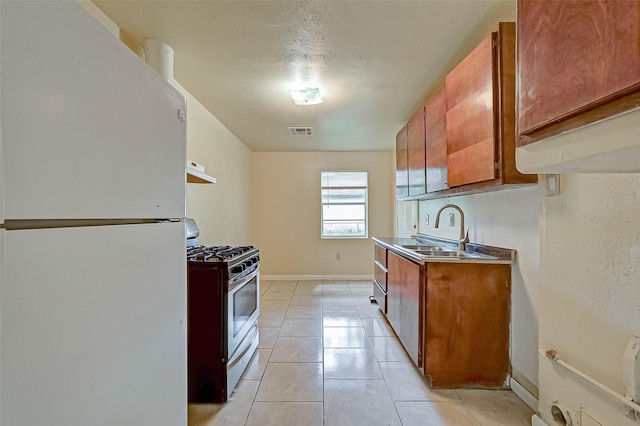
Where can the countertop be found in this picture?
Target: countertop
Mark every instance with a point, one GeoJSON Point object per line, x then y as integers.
{"type": "Point", "coordinates": [484, 253]}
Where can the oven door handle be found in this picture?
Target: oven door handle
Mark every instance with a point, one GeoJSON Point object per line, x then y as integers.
{"type": "Point", "coordinates": [235, 285]}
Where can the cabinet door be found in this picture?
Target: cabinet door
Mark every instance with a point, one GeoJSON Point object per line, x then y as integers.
{"type": "Point", "coordinates": [402, 173]}
{"type": "Point", "coordinates": [468, 304]}
{"type": "Point", "coordinates": [394, 279]}
{"type": "Point", "coordinates": [470, 121]}
{"type": "Point", "coordinates": [416, 146]}
{"type": "Point", "coordinates": [402, 302]}
{"type": "Point", "coordinates": [436, 141]}
{"type": "Point", "coordinates": [579, 61]}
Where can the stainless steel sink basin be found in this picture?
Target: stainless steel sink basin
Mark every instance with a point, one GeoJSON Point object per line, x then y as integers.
{"type": "Point", "coordinates": [424, 247]}
{"type": "Point", "coordinates": [454, 254]}
{"type": "Point", "coordinates": [442, 252]}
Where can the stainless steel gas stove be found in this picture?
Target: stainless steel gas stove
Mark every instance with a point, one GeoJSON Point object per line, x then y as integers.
{"type": "Point", "coordinates": [223, 308]}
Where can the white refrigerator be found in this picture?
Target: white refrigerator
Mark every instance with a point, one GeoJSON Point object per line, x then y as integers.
{"type": "Point", "coordinates": [92, 238]}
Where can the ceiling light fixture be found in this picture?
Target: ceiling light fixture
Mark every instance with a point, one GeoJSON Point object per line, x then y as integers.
{"type": "Point", "coordinates": [308, 96]}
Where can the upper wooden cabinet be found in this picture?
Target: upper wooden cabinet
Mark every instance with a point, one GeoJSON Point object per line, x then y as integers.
{"type": "Point", "coordinates": [579, 62]}
{"type": "Point", "coordinates": [481, 117]}
{"type": "Point", "coordinates": [416, 153]}
{"type": "Point", "coordinates": [436, 141]}
{"type": "Point", "coordinates": [471, 153]}
{"type": "Point", "coordinates": [468, 130]}
{"type": "Point", "coordinates": [402, 171]}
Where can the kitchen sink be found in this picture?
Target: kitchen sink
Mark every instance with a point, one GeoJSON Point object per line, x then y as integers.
{"type": "Point", "coordinates": [423, 247]}
{"type": "Point", "coordinates": [453, 254]}
{"type": "Point", "coordinates": [442, 252]}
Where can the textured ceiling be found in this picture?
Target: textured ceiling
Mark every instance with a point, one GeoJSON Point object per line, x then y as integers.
{"type": "Point", "coordinates": [374, 61]}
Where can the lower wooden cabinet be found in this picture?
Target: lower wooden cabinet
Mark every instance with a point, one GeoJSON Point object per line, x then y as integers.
{"type": "Point", "coordinates": [453, 319]}
{"type": "Point", "coordinates": [403, 303]}
{"type": "Point", "coordinates": [467, 317]}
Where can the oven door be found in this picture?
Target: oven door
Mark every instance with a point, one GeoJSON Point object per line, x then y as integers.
{"type": "Point", "coordinates": [243, 310]}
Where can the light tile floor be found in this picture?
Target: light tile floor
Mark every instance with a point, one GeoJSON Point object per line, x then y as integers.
{"type": "Point", "coordinates": [328, 357]}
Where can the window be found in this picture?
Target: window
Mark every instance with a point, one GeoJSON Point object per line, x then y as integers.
{"type": "Point", "coordinates": [344, 204]}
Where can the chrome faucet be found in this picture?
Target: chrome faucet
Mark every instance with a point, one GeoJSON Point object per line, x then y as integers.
{"type": "Point", "coordinates": [464, 236]}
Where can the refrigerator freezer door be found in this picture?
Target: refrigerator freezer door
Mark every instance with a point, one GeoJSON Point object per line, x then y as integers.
{"type": "Point", "coordinates": [93, 326]}
{"type": "Point", "coordinates": [89, 131]}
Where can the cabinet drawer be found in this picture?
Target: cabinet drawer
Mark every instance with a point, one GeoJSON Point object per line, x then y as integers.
{"type": "Point", "coordinates": [380, 275]}
{"type": "Point", "coordinates": [380, 254]}
{"type": "Point", "coordinates": [381, 297]}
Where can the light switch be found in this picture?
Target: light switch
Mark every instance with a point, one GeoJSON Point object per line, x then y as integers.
{"type": "Point", "coordinates": [426, 219]}
{"type": "Point", "coordinates": [452, 219]}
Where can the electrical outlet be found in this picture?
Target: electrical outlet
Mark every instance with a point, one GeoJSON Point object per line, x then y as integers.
{"type": "Point", "coordinates": [552, 183]}
{"type": "Point", "coordinates": [452, 219]}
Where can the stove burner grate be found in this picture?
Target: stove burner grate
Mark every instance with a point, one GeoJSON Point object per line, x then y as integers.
{"type": "Point", "coordinates": [216, 253]}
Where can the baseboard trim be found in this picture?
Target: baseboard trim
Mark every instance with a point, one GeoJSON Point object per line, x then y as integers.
{"type": "Point", "coordinates": [316, 277]}
{"type": "Point", "coordinates": [523, 394]}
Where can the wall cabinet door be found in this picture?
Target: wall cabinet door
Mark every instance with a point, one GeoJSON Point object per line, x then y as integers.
{"type": "Point", "coordinates": [416, 146]}
{"type": "Point", "coordinates": [579, 62]}
{"type": "Point", "coordinates": [471, 148]}
{"type": "Point", "coordinates": [436, 141]}
{"type": "Point", "coordinates": [402, 171]}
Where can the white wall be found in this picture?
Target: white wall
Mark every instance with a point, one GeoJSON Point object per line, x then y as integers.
{"type": "Point", "coordinates": [508, 219]}
{"type": "Point", "coordinates": [590, 290]}
{"type": "Point", "coordinates": [286, 219]}
{"type": "Point", "coordinates": [222, 210]}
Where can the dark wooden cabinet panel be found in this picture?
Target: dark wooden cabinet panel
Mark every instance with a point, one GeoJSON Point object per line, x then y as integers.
{"type": "Point", "coordinates": [467, 324]}
{"type": "Point", "coordinates": [403, 303]}
{"type": "Point", "coordinates": [402, 170]}
{"type": "Point", "coordinates": [410, 318]}
{"type": "Point", "coordinates": [578, 62]}
{"type": "Point", "coordinates": [436, 141]}
{"type": "Point", "coordinates": [470, 117]}
{"type": "Point", "coordinates": [394, 278]}
{"type": "Point", "coordinates": [416, 147]}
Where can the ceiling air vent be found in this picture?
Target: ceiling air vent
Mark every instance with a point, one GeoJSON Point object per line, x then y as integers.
{"type": "Point", "coordinates": [301, 131]}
